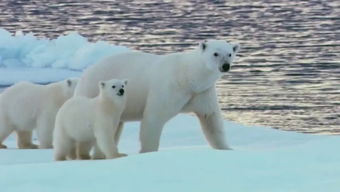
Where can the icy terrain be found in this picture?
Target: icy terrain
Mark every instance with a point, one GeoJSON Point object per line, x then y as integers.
{"type": "Point", "coordinates": [26, 57]}
{"type": "Point", "coordinates": [71, 51]}
{"type": "Point", "coordinates": [262, 159]}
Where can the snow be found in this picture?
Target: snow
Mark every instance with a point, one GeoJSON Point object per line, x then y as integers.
{"type": "Point", "coordinates": [24, 57]}
{"type": "Point", "coordinates": [71, 51]}
{"type": "Point", "coordinates": [262, 159]}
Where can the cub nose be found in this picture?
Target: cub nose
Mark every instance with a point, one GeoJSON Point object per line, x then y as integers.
{"type": "Point", "coordinates": [226, 67]}
{"type": "Point", "coordinates": [121, 91]}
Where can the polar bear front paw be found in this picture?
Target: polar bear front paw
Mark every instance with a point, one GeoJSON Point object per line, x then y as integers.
{"type": "Point", "coordinates": [98, 155]}
{"type": "Point", "coordinates": [3, 146]}
{"type": "Point", "coordinates": [120, 155]}
{"type": "Point", "coordinates": [84, 157]}
{"type": "Point", "coordinates": [28, 146]}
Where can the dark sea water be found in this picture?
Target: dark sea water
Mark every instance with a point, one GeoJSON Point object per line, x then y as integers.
{"type": "Point", "coordinates": [287, 75]}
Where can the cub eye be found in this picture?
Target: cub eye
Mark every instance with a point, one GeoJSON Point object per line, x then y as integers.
{"type": "Point", "coordinates": [113, 86]}
{"type": "Point", "coordinates": [216, 54]}
{"type": "Point", "coordinates": [229, 54]}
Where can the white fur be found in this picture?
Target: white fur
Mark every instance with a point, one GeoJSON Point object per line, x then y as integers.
{"type": "Point", "coordinates": [26, 106]}
{"type": "Point", "coordinates": [90, 121]}
{"type": "Point", "coordinates": [161, 86]}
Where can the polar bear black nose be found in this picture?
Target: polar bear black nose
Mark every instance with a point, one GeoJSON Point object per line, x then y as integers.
{"type": "Point", "coordinates": [121, 91]}
{"type": "Point", "coordinates": [225, 67]}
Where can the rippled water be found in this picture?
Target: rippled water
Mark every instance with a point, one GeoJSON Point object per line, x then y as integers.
{"type": "Point", "coordinates": [287, 75]}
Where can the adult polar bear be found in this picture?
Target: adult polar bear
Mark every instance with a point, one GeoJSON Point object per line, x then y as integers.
{"type": "Point", "coordinates": [161, 86]}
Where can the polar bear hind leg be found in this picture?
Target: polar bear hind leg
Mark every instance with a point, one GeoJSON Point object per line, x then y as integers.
{"type": "Point", "coordinates": [45, 132]}
{"type": "Point", "coordinates": [5, 131]}
{"type": "Point", "coordinates": [64, 149]}
{"type": "Point", "coordinates": [63, 145]}
{"type": "Point", "coordinates": [97, 153]}
{"type": "Point", "coordinates": [83, 150]}
{"type": "Point", "coordinates": [73, 154]}
{"type": "Point", "coordinates": [25, 140]}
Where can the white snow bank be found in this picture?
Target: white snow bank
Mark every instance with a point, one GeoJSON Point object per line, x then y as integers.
{"type": "Point", "coordinates": [71, 51]}
{"type": "Point", "coordinates": [263, 159]}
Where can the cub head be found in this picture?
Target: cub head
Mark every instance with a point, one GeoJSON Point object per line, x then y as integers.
{"type": "Point", "coordinates": [218, 55]}
{"type": "Point", "coordinates": [69, 85]}
{"type": "Point", "coordinates": [113, 88]}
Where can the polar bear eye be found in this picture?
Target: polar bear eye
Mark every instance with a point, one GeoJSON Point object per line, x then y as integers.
{"type": "Point", "coordinates": [113, 86]}
{"type": "Point", "coordinates": [229, 54]}
{"type": "Point", "coordinates": [216, 54]}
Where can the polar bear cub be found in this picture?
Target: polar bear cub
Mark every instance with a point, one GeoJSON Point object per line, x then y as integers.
{"type": "Point", "coordinates": [91, 121]}
{"type": "Point", "coordinates": [25, 106]}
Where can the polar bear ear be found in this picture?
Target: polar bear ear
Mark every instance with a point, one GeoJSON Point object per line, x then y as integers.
{"type": "Point", "coordinates": [101, 84]}
{"type": "Point", "coordinates": [125, 81]}
{"type": "Point", "coordinates": [69, 82]}
{"type": "Point", "coordinates": [236, 48]}
{"type": "Point", "coordinates": [203, 45]}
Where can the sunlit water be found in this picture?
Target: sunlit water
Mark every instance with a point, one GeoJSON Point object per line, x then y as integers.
{"type": "Point", "coordinates": [287, 75]}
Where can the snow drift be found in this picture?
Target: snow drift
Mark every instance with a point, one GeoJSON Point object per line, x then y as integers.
{"type": "Point", "coordinates": [71, 51]}
{"type": "Point", "coordinates": [262, 159]}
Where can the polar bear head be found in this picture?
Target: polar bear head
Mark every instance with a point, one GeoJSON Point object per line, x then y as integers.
{"type": "Point", "coordinates": [218, 55]}
{"type": "Point", "coordinates": [69, 86]}
{"type": "Point", "coordinates": [113, 88]}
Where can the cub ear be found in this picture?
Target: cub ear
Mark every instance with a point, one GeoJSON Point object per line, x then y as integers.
{"type": "Point", "coordinates": [203, 45]}
{"type": "Point", "coordinates": [101, 84]}
{"type": "Point", "coordinates": [69, 82]}
{"type": "Point", "coordinates": [125, 81]}
{"type": "Point", "coordinates": [236, 48]}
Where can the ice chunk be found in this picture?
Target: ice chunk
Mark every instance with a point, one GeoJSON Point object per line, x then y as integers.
{"type": "Point", "coordinates": [71, 51]}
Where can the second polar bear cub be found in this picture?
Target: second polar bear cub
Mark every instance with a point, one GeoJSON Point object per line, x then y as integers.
{"type": "Point", "coordinates": [90, 121]}
{"type": "Point", "coordinates": [26, 106]}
